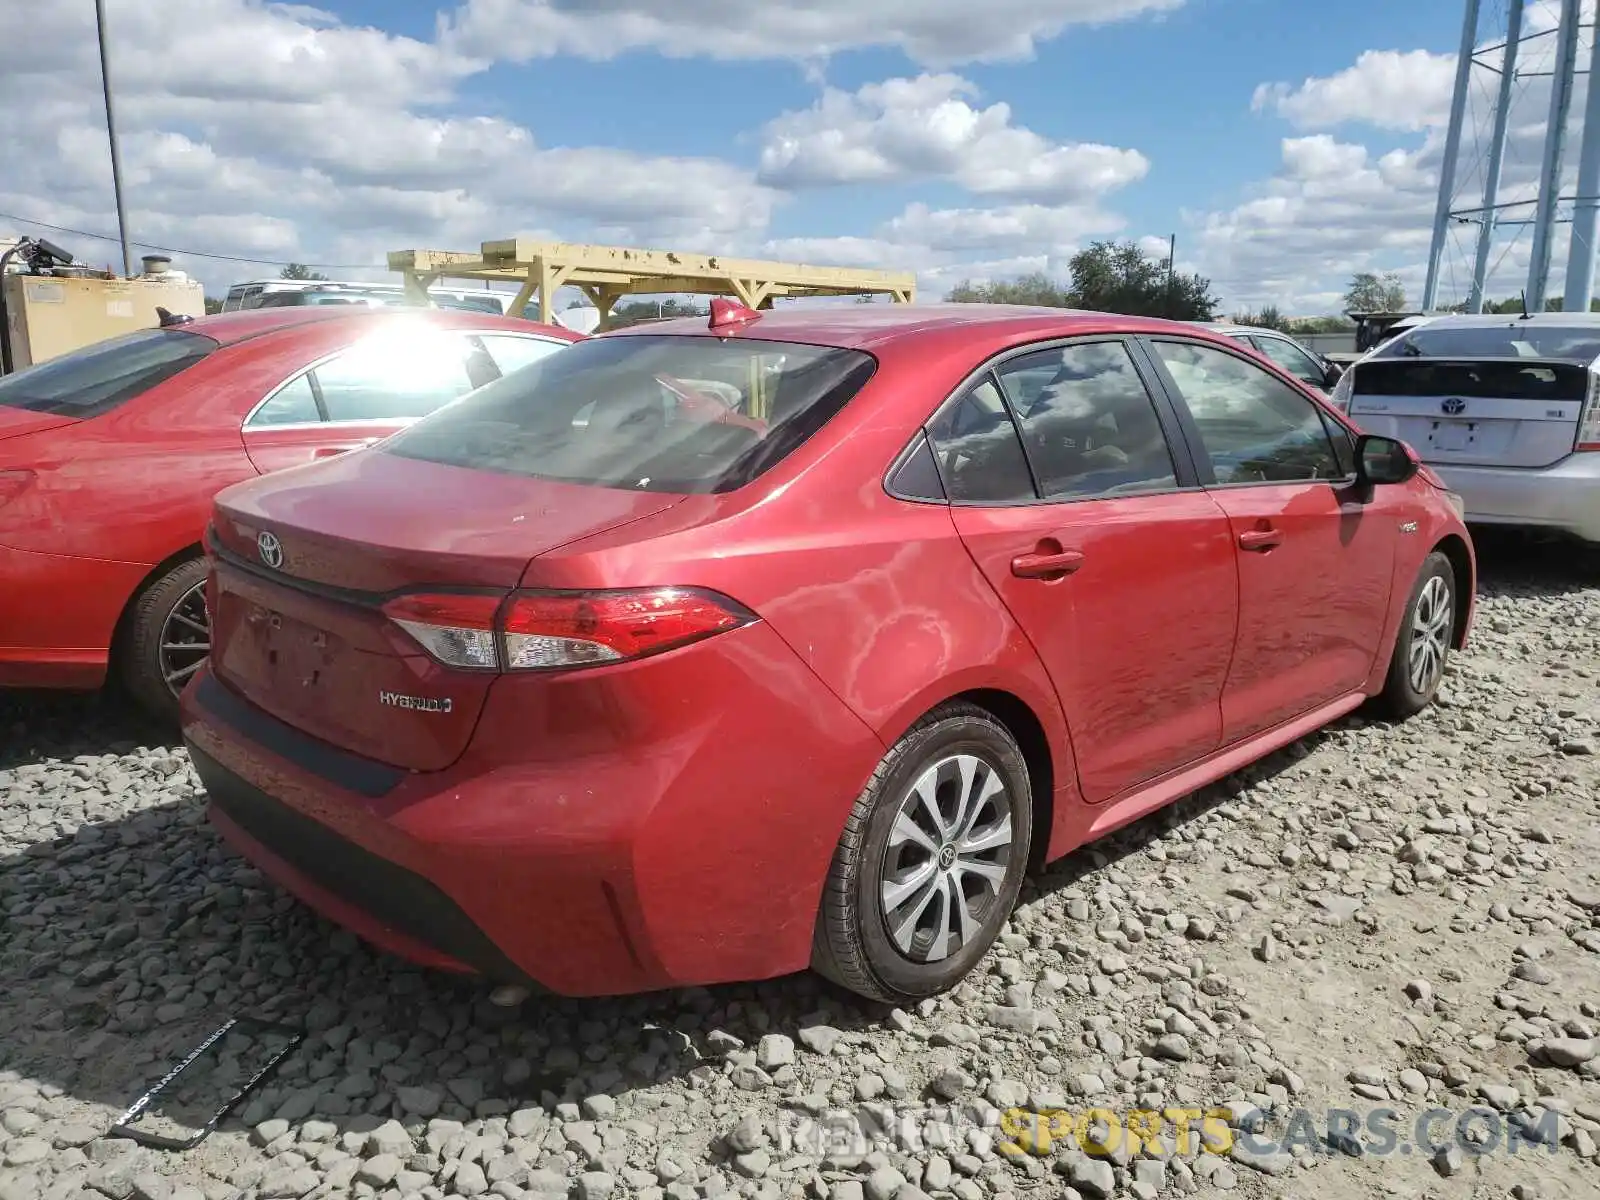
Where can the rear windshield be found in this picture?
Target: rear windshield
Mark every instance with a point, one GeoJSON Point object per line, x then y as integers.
{"type": "Point", "coordinates": [649, 413]}
{"type": "Point", "coordinates": [1497, 341]}
{"type": "Point", "coordinates": [99, 377]}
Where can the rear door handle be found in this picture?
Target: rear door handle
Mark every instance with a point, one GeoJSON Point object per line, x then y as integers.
{"type": "Point", "coordinates": [1055, 564]}
{"type": "Point", "coordinates": [1260, 539]}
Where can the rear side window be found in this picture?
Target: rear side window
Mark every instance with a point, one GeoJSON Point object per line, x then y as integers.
{"type": "Point", "coordinates": [98, 378]}
{"type": "Point", "coordinates": [979, 454]}
{"type": "Point", "coordinates": [1580, 342]}
{"type": "Point", "coordinates": [1089, 424]}
{"type": "Point", "coordinates": [648, 413]}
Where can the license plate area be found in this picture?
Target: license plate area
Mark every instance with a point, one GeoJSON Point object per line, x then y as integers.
{"type": "Point", "coordinates": [1453, 437]}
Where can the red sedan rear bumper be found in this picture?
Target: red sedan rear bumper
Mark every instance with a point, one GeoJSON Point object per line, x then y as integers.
{"type": "Point", "coordinates": [682, 843]}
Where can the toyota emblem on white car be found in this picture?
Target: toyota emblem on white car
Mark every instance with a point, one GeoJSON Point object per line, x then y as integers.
{"type": "Point", "coordinates": [270, 549]}
{"type": "Point", "coordinates": [1454, 406]}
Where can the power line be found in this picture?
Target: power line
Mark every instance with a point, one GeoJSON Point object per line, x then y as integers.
{"type": "Point", "coordinates": [238, 258]}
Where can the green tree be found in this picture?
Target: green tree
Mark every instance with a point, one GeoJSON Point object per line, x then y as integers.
{"type": "Point", "coordinates": [1370, 292]}
{"type": "Point", "coordinates": [1121, 278]}
{"type": "Point", "coordinates": [300, 271]}
{"type": "Point", "coordinates": [1268, 318]}
{"type": "Point", "coordinates": [1106, 277]}
{"type": "Point", "coordinates": [213, 305]}
{"type": "Point", "coordinates": [1035, 288]}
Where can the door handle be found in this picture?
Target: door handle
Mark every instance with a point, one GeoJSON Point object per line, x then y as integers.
{"type": "Point", "coordinates": [1260, 539]}
{"type": "Point", "coordinates": [1047, 564]}
{"type": "Point", "coordinates": [329, 451]}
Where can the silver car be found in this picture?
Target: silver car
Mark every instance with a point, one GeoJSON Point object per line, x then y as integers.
{"type": "Point", "coordinates": [1505, 409]}
{"type": "Point", "coordinates": [1303, 363]}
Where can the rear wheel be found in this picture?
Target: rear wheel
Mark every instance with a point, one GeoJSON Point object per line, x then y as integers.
{"type": "Point", "coordinates": [931, 860]}
{"type": "Point", "coordinates": [1422, 646]}
{"type": "Point", "coordinates": [167, 639]}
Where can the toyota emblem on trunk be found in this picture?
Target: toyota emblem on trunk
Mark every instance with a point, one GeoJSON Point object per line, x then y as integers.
{"type": "Point", "coordinates": [270, 549]}
{"type": "Point", "coordinates": [1454, 406]}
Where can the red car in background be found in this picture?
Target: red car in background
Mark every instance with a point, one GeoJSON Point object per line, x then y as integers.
{"type": "Point", "coordinates": [110, 456]}
{"type": "Point", "coordinates": [695, 654]}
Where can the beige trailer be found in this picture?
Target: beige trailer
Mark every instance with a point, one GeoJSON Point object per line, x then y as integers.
{"type": "Point", "coordinates": [607, 273]}
{"type": "Point", "coordinates": [50, 315]}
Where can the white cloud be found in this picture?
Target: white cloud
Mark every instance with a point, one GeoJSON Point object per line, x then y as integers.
{"type": "Point", "coordinates": [945, 246]}
{"type": "Point", "coordinates": [926, 128]}
{"type": "Point", "coordinates": [932, 32]}
{"type": "Point", "coordinates": [1337, 206]}
{"type": "Point", "coordinates": [279, 132]}
{"type": "Point", "coordinates": [1392, 89]}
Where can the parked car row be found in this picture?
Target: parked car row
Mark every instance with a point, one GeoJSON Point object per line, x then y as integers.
{"type": "Point", "coordinates": [713, 649]}
{"type": "Point", "coordinates": [110, 457]}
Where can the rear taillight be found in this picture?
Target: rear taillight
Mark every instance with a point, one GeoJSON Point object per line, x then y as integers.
{"type": "Point", "coordinates": [542, 631]}
{"type": "Point", "coordinates": [458, 629]}
{"type": "Point", "coordinates": [13, 484]}
{"type": "Point", "coordinates": [1589, 419]}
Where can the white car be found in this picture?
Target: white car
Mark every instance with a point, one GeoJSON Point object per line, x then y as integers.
{"type": "Point", "coordinates": [1505, 409]}
{"type": "Point", "coordinates": [1304, 364]}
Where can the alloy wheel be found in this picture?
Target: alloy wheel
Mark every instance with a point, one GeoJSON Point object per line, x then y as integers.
{"type": "Point", "coordinates": [1431, 621]}
{"type": "Point", "coordinates": [185, 639]}
{"type": "Point", "coordinates": [946, 858]}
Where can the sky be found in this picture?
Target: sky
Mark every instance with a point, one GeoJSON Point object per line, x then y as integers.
{"type": "Point", "coordinates": [1285, 144]}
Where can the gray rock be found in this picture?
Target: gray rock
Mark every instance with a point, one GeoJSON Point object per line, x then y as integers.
{"type": "Point", "coordinates": [595, 1185]}
{"type": "Point", "coordinates": [1268, 1162]}
{"type": "Point", "coordinates": [1092, 1176]}
{"type": "Point", "coordinates": [389, 1138]}
{"type": "Point", "coordinates": [380, 1170]}
{"type": "Point", "coordinates": [424, 1101]}
{"type": "Point", "coordinates": [268, 1132]}
{"type": "Point", "coordinates": [20, 1152]}
{"type": "Point", "coordinates": [820, 1039]}
{"type": "Point", "coordinates": [290, 1183]}
{"type": "Point", "coordinates": [1173, 1047]}
{"type": "Point", "coordinates": [1569, 1052]}
{"type": "Point", "coordinates": [883, 1183]}
{"type": "Point", "coordinates": [469, 1180]}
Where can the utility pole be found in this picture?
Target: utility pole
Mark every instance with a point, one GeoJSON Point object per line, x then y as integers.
{"type": "Point", "coordinates": [1452, 152]}
{"type": "Point", "coordinates": [1555, 141]}
{"type": "Point", "coordinates": [111, 132]}
{"type": "Point", "coordinates": [1586, 211]}
{"type": "Point", "coordinates": [1172, 259]}
{"type": "Point", "coordinates": [1497, 153]}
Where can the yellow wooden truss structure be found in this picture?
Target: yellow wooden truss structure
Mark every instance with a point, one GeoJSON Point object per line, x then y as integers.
{"type": "Point", "coordinates": [607, 273]}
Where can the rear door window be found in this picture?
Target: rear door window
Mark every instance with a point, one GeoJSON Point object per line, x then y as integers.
{"type": "Point", "coordinates": [1089, 425]}
{"type": "Point", "coordinates": [511, 351]}
{"type": "Point", "coordinates": [388, 378]}
{"type": "Point", "coordinates": [683, 414]}
{"type": "Point", "coordinates": [99, 378]}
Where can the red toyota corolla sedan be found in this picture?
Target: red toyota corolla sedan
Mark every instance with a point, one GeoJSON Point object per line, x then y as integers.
{"type": "Point", "coordinates": [109, 458]}
{"type": "Point", "coordinates": [707, 653]}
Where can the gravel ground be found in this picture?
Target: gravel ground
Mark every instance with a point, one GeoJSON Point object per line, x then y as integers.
{"type": "Point", "coordinates": [1379, 917]}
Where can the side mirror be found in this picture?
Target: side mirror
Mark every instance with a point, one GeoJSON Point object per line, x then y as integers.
{"type": "Point", "coordinates": [1383, 460]}
{"type": "Point", "coordinates": [1332, 372]}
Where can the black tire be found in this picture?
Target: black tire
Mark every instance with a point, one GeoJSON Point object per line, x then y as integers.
{"type": "Point", "coordinates": [140, 662]}
{"type": "Point", "coordinates": [853, 945]}
{"type": "Point", "coordinates": [1402, 696]}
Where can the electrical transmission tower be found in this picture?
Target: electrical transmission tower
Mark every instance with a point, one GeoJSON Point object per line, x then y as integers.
{"type": "Point", "coordinates": [1498, 55]}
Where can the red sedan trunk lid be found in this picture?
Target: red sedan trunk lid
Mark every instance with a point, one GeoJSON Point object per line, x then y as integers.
{"type": "Point", "coordinates": [14, 421]}
{"type": "Point", "coordinates": [308, 555]}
